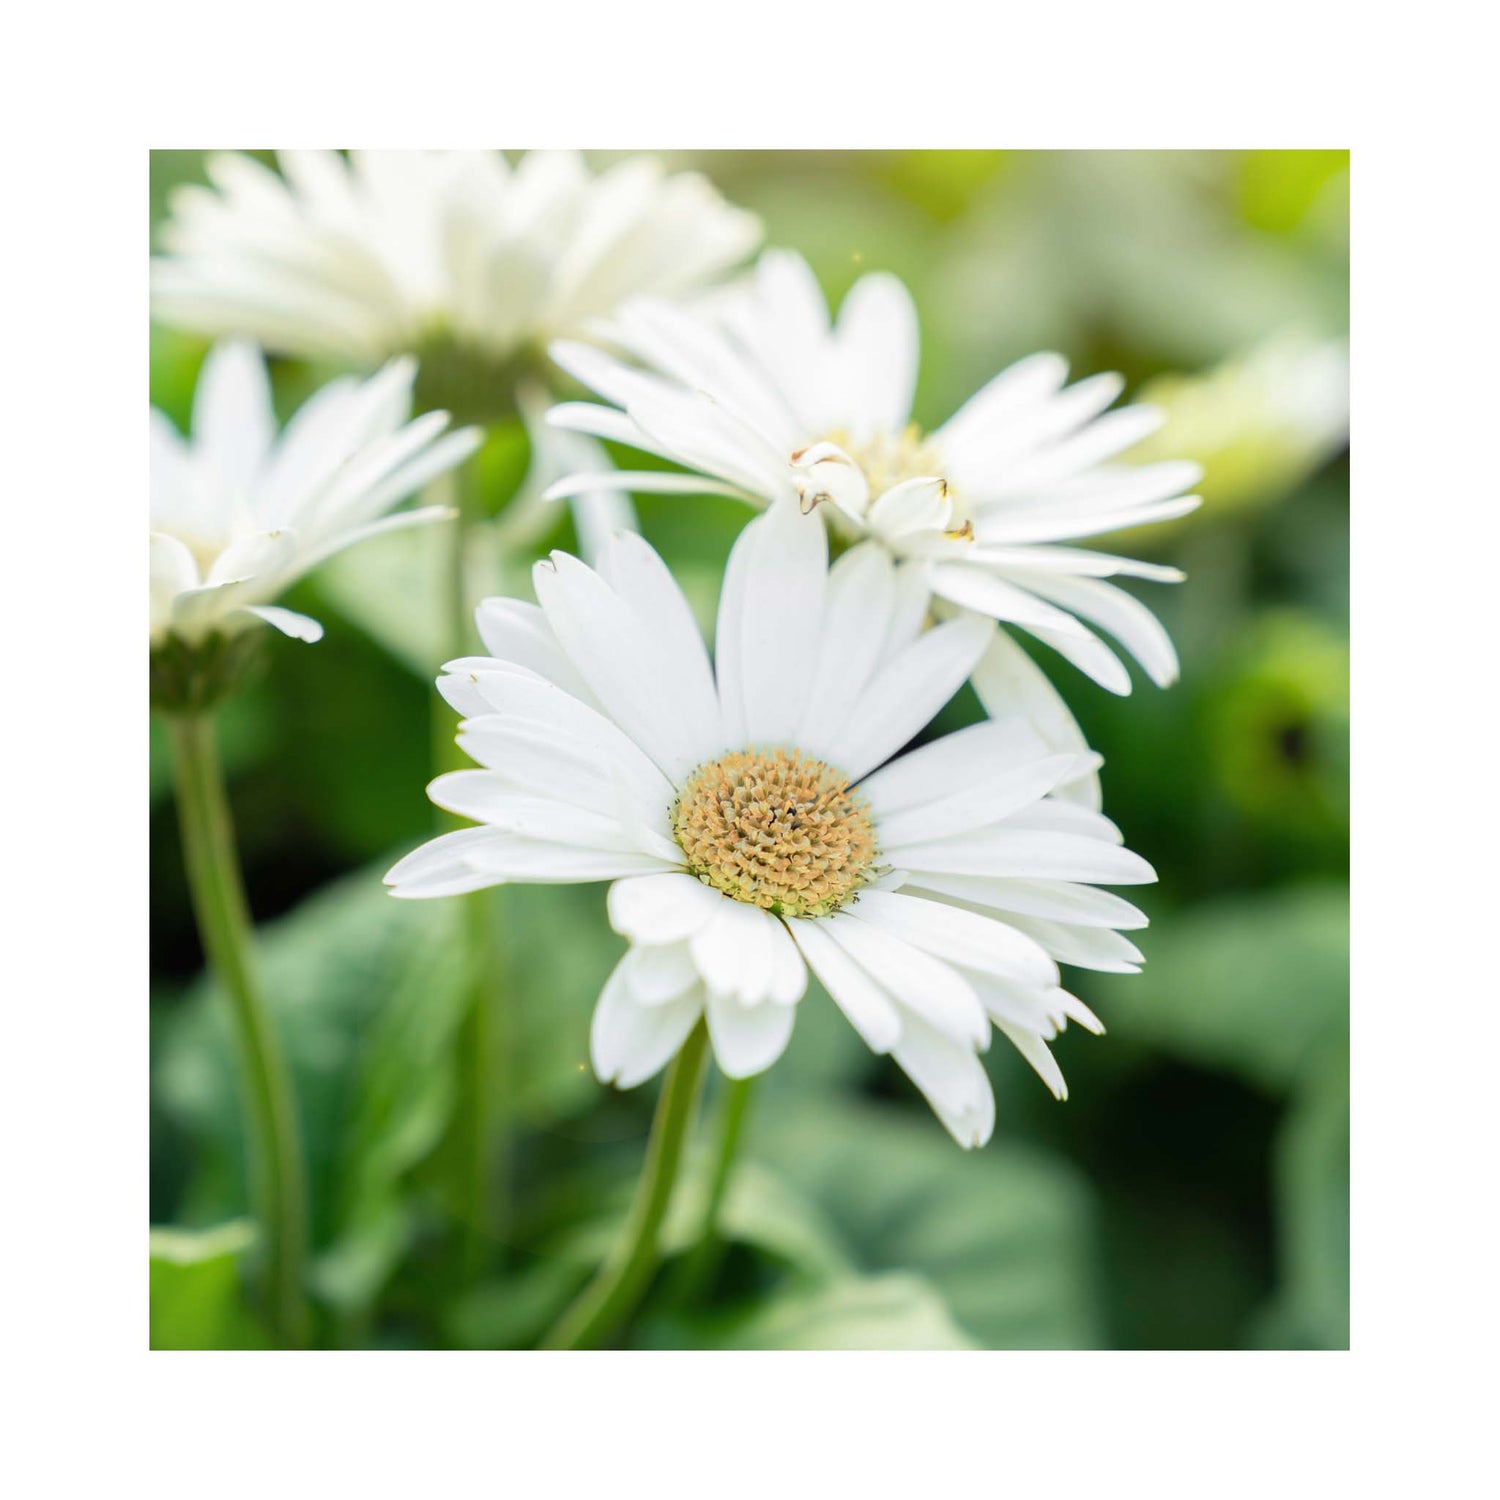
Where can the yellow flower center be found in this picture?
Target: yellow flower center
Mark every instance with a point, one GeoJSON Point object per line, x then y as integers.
{"type": "Point", "coordinates": [890, 458]}
{"type": "Point", "coordinates": [777, 829]}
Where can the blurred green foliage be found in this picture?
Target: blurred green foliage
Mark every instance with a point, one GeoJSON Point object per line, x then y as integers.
{"type": "Point", "coordinates": [1194, 1190]}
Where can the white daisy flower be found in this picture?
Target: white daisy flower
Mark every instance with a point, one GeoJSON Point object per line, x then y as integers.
{"type": "Point", "coordinates": [238, 511]}
{"type": "Point", "coordinates": [757, 821]}
{"type": "Point", "coordinates": [394, 252]}
{"type": "Point", "coordinates": [771, 399]}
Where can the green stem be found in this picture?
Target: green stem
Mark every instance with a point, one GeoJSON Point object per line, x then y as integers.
{"type": "Point", "coordinates": [476, 1150]}
{"type": "Point", "coordinates": [482, 1080]}
{"type": "Point", "coordinates": [616, 1290]}
{"type": "Point", "coordinates": [702, 1264]}
{"type": "Point", "coordinates": [275, 1148]}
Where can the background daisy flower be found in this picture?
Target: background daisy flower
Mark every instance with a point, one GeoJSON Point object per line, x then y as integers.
{"type": "Point", "coordinates": [757, 820]}
{"type": "Point", "coordinates": [769, 398]}
{"type": "Point", "coordinates": [240, 511]}
{"type": "Point", "coordinates": [456, 253]}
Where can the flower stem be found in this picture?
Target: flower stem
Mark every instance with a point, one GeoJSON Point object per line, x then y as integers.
{"type": "Point", "coordinates": [275, 1148]}
{"type": "Point", "coordinates": [616, 1290]}
{"type": "Point", "coordinates": [483, 1078]}
{"type": "Point", "coordinates": [702, 1264]}
{"type": "Point", "coordinates": [476, 1151]}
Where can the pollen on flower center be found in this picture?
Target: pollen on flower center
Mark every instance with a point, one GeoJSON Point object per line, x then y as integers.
{"type": "Point", "coordinates": [890, 458]}
{"type": "Point", "coordinates": [775, 828]}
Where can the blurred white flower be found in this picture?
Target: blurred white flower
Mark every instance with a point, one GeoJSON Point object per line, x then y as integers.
{"type": "Point", "coordinates": [239, 512]}
{"type": "Point", "coordinates": [1259, 423]}
{"type": "Point", "coordinates": [770, 398]}
{"type": "Point", "coordinates": [755, 825]}
{"type": "Point", "coordinates": [394, 252]}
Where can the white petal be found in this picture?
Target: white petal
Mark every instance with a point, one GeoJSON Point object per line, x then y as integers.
{"type": "Point", "coordinates": [641, 482]}
{"type": "Point", "coordinates": [233, 423]}
{"type": "Point", "coordinates": [658, 974]}
{"type": "Point", "coordinates": [526, 700]}
{"type": "Point", "coordinates": [986, 800]}
{"type": "Point", "coordinates": [951, 1078]}
{"type": "Point", "coordinates": [924, 985]}
{"type": "Point", "coordinates": [788, 982]}
{"type": "Point", "coordinates": [173, 572]}
{"type": "Point", "coordinates": [860, 596]}
{"type": "Point", "coordinates": [960, 937]}
{"type": "Point", "coordinates": [639, 576]}
{"type": "Point", "coordinates": [1123, 616]}
{"type": "Point", "coordinates": [1052, 815]}
{"type": "Point", "coordinates": [877, 343]}
{"type": "Point", "coordinates": [1052, 900]}
{"type": "Point", "coordinates": [901, 698]}
{"type": "Point", "coordinates": [913, 603]}
{"type": "Point", "coordinates": [735, 952]}
{"type": "Point", "coordinates": [544, 862]}
{"type": "Point", "coordinates": [972, 586]}
{"type": "Point", "coordinates": [260, 556]}
{"type": "Point", "coordinates": [1039, 1055]}
{"type": "Point", "coordinates": [1085, 947]}
{"type": "Point", "coordinates": [911, 508]}
{"type": "Point", "coordinates": [825, 474]}
{"type": "Point", "coordinates": [1052, 522]}
{"type": "Point", "coordinates": [966, 757]}
{"type": "Point", "coordinates": [516, 631]}
{"type": "Point", "coordinates": [869, 1009]}
{"type": "Point", "coordinates": [748, 1039]}
{"type": "Point", "coordinates": [661, 908]}
{"type": "Point", "coordinates": [1032, 855]}
{"type": "Point", "coordinates": [176, 495]}
{"type": "Point", "coordinates": [1022, 385]}
{"type": "Point", "coordinates": [625, 667]}
{"type": "Point", "coordinates": [486, 797]}
{"type": "Point", "coordinates": [444, 866]}
{"type": "Point", "coordinates": [287, 621]}
{"type": "Point", "coordinates": [628, 1041]}
{"type": "Point", "coordinates": [781, 614]}
{"type": "Point", "coordinates": [1007, 682]}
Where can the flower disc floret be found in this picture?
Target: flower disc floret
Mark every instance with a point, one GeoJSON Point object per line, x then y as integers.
{"type": "Point", "coordinates": [777, 829]}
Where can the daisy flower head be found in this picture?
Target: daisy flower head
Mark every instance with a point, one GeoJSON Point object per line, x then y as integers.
{"type": "Point", "coordinates": [757, 819]}
{"type": "Point", "coordinates": [770, 398]}
{"type": "Point", "coordinates": [240, 511]}
{"type": "Point", "coordinates": [456, 256]}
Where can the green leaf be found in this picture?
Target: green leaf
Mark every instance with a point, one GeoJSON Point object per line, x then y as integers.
{"type": "Point", "coordinates": [1255, 984]}
{"type": "Point", "coordinates": [1311, 1309]}
{"type": "Point", "coordinates": [895, 1311]}
{"type": "Point", "coordinates": [330, 968]}
{"type": "Point", "coordinates": [367, 992]}
{"type": "Point", "coordinates": [515, 1312]}
{"type": "Point", "coordinates": [762, 1209]}
{"type": "Point", "coordinates": [1004, 1235]}
{"type": "Point", "coordinates": [196, 1297]}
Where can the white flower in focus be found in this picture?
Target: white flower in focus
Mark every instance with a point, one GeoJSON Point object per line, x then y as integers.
{"type": "Point", "coordinates": [392, 252]}
{"type": "Point", "coordinates": [770, 399]}
{"type": "Point", "coordinates": [755, 825]}
{"type": "Point", "coordinates": [239, 512]}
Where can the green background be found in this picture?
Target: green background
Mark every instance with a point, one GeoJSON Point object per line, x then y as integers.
{"type": "Point", "coordinates": [1193, 1191]}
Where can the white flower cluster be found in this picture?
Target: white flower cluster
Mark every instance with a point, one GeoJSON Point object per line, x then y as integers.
{"type": "Point", "coordinates": [752, 806]}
